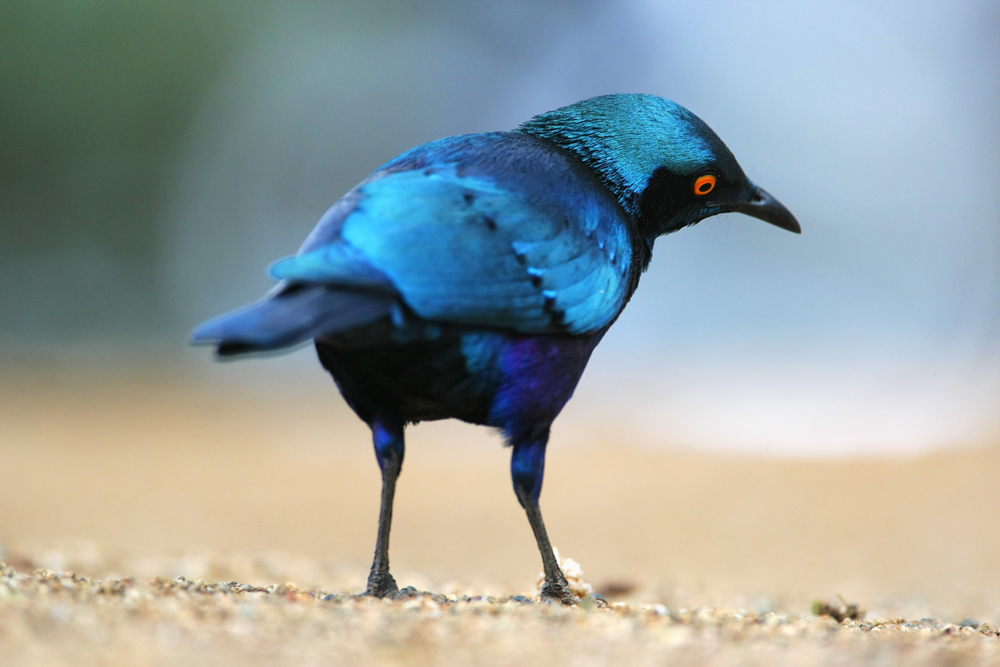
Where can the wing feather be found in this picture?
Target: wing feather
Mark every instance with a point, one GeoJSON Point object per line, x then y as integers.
{"type": "Point", "coordinates": [461, 248]}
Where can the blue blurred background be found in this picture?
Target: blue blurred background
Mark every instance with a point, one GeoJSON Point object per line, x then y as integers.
{"type": "Point", "coordinates": [155, 157]}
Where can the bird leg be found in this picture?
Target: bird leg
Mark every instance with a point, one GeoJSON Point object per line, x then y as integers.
{"type": "Point", "coordinates": [527, 467]}
{"type": "Point", "coordinates": [389, 449]}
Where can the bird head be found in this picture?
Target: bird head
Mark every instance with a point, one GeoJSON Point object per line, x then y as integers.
{"type": "Point", "coordinates": [666, 166]}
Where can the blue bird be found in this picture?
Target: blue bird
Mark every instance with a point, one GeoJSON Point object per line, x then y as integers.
{"type": "Point", "coordinates": [473, 276]}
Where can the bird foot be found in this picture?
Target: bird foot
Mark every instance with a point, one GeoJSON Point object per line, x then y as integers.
{"type": "Point", "coordinates": [558, 590]}
{"type": "Point", "coordinates": [381, 585]}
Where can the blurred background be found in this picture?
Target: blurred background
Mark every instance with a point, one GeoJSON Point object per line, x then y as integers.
{"type": "Point", "coordinates": [155, 157]}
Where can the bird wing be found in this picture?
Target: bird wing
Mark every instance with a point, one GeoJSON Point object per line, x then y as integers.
{"type": "Point", "coordinates": [464, 249]}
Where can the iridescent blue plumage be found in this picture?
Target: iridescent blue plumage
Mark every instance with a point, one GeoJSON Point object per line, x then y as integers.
{"type": "Point", "coordinates": [473, 276]}
{"type": "Point", "coordinates": [464, 239]}
{"type": "Point", "coordinates": [653, 132]}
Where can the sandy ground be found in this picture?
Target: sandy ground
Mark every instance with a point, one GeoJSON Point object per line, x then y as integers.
{"type": "Point", "coordinates": [132, 482]}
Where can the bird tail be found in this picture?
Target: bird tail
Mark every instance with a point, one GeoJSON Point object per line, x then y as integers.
{"type": "Point", "coordinates": [291, 316]}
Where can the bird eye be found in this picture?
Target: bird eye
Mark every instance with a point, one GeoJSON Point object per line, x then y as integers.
{"type": "Point", "coordinates": [704, 184]}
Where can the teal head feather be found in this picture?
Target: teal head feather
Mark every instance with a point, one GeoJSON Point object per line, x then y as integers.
{"type": "Point", "coordinates": [650, 152]}
{"type": "Point", "coordinates": [626, 138]}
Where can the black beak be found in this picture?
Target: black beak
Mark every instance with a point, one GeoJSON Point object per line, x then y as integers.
{"type": "Point", "coordinates": [763, 206]}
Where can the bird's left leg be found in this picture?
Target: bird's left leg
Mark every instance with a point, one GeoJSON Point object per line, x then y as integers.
{"type": "Point", "coordinates": [389, 448]}
{"type": "Point", "coordinates": [527, 467]}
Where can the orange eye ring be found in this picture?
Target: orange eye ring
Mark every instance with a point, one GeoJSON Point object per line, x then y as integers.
{"type": "Point", "coordinates": [704, 184]}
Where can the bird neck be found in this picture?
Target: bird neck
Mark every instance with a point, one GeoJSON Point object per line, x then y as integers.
{"type": "Point", "coordinates": [593, 149]}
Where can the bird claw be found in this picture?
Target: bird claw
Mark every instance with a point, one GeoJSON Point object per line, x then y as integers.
{"type": "Point", "coordinates": [559, 591]}
{"type": "Point", "coordinates": [381, 586]}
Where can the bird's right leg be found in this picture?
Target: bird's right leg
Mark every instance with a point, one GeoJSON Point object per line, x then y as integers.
{"type": "Point", "coordinates": [389, 446]}
{"type": "Point", "coordinates": [527, 467]}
